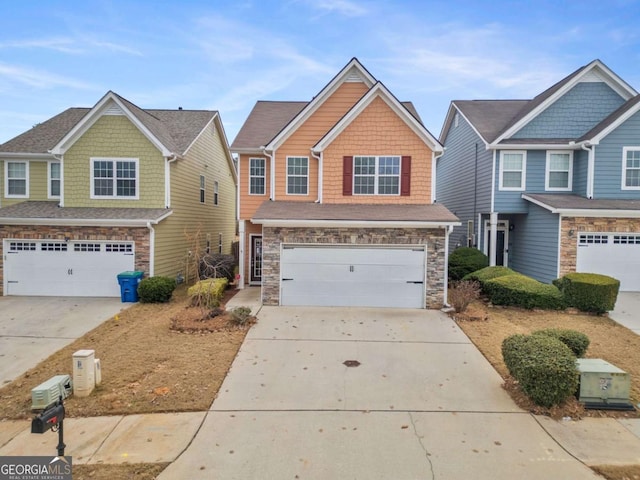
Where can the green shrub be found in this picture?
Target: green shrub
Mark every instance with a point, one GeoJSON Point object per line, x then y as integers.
{"type": "Point", "coordinates": [589, 292]}
{"type": "Point", "coordinates": [217, 265]}
{"type": "Point", "coordinates": [240, 315]}
{"type": "Point", "coordinates": [578, 342]}
{"type": "Point", "coordinates": [543, 365]}
{"type": "Point", "coordinates": [522, 291]}
{"type": "Point", "coordinates": [207, 293]}
{"type": "Point", "coordinates": [488, 273]}
{"type": "Point", "coordinates": [156, 289]}
{"type": "Point", "coordinates": [465, 260]}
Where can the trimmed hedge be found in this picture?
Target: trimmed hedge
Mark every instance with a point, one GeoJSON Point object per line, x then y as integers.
{"type": "Point", "coordinates": [488, 273]}
{"type": "Point", "coordinates": [465, 260]}
{"type": "Point", "coordinates": [578, 342]}
{"type": "Point", "coordinates": [156, 289]}
{"type": "Point", "coordinates": [520, 290]}
{"type": "Point", "coordinates": [589, 292]}
{"type": "Point", "coordinates": [207, 293]}
{"type": "Point", "coordinates": [543, 365]}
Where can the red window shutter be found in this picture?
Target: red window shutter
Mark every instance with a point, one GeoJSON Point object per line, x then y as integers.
{"type": "Point", "coordinates": [347, 176]}
{"type": "Point", "coordinates": [405, 181]}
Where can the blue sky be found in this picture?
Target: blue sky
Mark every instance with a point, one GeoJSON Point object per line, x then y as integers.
{"type": "Point", "coordinates": [226, 55]}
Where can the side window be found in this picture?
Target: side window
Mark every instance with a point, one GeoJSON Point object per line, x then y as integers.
{"type": "Point", "coordinates": [16, 179]}
{"type": "Point", "coordinates": [54, 179]}
{"type": "Point", "coordinates": [257, 176]}
{"type": "Point", "coordinates": [631, 168]}
{"type": "Point", "coordinates": [559, 171]}
{"type": "Point", "coordinates": [513, 167]}
{"type": "Point", "coordinates": [202, 190]}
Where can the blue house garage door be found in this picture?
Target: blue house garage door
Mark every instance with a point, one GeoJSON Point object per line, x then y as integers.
{"type": "Point", "coordinates": [353, 276]}
{"type": "Point", "coordinates": [613, 254]}
{"type": "Point", "coordinates": [67, 269]}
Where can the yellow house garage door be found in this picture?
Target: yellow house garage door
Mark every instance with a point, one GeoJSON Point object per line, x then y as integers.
{"type": "Point", "coordinates": [70, 269]}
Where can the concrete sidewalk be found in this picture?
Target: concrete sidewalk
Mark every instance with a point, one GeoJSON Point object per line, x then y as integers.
{"type": "Point", "coordinates": [423, 403]}
{"type": "Point", "coordinates": [627, 311]}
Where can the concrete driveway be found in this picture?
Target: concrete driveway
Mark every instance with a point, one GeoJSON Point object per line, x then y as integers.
{"type": "Point", "coordinates": [627, 311]}
{"type": "Point", "coordinates": [32, 328]}
{"type": "Point", "coordinates": [414, 400]}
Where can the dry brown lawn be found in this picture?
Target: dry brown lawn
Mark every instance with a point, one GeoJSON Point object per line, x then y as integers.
{"type": "Point", "coordinates": [488, 326]}
{"type": "Point", "coordinates": [166, 358]}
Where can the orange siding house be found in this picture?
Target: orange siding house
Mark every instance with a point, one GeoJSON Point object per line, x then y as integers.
{"type": "Point", "coordinates": [336, 200]}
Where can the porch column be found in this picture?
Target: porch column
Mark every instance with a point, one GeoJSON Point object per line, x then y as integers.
{"type": "Point", "coordinates": [493, 238]}
{"type": "Point", "coordinates": [241, 250]}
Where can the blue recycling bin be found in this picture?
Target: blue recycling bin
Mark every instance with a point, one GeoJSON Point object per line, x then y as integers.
{"type": "Point", "coordinates": [128, 282]}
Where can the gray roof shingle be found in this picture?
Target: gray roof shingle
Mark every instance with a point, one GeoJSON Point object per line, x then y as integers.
{"type": "Point", "coordinates": [490, 117]}
{"type": "Point", "coordinates": [287, 210]}
{"type": "Point", "coordinates": [268, 118]}
{"type": "Point", "coordinates": [576, 202]}
{"type": "Point", "coordinates": [50, 210]}
{"type": "Point", "coordinates": [175, 129]}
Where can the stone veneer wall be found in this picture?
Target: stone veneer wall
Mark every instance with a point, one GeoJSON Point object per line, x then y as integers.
{"type": "Point", "coordinates": [569, 243]}
{"type": "Point", "coordinates": [434, 238]}
{"type": "Point", "coordinates": [139, 235]}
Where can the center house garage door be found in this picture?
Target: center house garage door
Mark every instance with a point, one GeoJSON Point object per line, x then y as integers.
{"type": "Point", "coordinates": [616, 255]}
{"type": "Point", "coordinates": [68, 269]}
{"type": "Point", "coordinates": [352, 276]}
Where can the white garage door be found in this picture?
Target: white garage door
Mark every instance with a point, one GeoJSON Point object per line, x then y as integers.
{"type": "Point", "coordinates": [67, 269]}
{"type": "Point", "coordinates": [352, 276]}
{"type": "Point", "coordinates": [616, 255]}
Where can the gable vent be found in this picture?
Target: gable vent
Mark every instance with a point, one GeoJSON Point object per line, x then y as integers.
{"type": "Point", "coordinates": [354, 76]}
{"type": "Point", "coordinates": [113, 109]}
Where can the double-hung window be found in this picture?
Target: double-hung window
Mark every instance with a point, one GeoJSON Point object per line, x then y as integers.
{"type": "Point", "coordinates": [202, 190]}
{"type": "Point", "coordinates": [16, 179]}
{"type": "Point", "coordinates": [114, 178]}
{"type": "Point", "coordinates": [257, 176]}
{"type": "Point", "coordinates": [216, 191]}
{"type": "Point", "coordinates": [53, 170]}
{"type": "Point", "coordinates": [376, 175]}
{"type": "Point", "coordinates": [513, 167]}
{"type": "Point", "coordinates": [631, 168]}
{"type": "Point", "coordinates": [559, 171]}
{"type": "Point", "coordinates": [297, 175]}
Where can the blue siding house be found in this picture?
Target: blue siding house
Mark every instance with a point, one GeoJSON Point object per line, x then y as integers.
{"type": "Point", "coordinates": [549, 185]}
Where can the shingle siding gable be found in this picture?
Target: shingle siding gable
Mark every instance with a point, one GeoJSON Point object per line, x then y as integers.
{"type": "Point", "coordinates": [574, 114]}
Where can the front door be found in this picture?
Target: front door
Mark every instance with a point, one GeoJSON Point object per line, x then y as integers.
{"type": "Point", "coordinates": [255, 275]}
{"type": "Point", "coordinates": [502, 230]}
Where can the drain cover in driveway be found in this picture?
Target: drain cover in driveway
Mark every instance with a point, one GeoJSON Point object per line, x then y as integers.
{"type": "Point", "coordinates": [351, 363]}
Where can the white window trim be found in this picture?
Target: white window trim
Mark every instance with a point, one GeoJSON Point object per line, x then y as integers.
{"type": "Point", "coordinates": [203, 189]}
{"type": "Point", "coordinates": [216, 193]}
{"type": "Point", "coordinates": [50, 178]}
{"type": "Point", "coordinates": [264, 176]}
{"type": "Point", "coordinates": [523, 173]}
{"type": "Point", "coordinates": [6, 179]}
{"type": "Point", "coordinates": [624, 167]}
{"type": "Point", "coordinates": [547, 171]}
{"type": "Point", "coordinates": [287, 177]}
{"type": "Point", "coordinates": [377, 177]}
{"type": "Point", "coordinates": [114, 160]}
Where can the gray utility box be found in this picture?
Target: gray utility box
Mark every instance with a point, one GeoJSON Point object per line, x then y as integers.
{"type": "Point", "coordinates": [602, 383]}
{"type": "Point", "coordinates": [49, 392]}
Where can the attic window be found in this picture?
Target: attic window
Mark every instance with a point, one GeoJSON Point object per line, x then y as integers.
{"type": "Point", "coordinates": [455, 120]}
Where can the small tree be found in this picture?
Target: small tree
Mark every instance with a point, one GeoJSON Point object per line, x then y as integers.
{"type": "Point", "coordinates": [462, 294]}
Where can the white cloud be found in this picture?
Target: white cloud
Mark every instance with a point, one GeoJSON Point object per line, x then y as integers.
{"type": "Point", "coordinates": [39, 78]}
{"type": "Point", "coordinates": [80, 45]}
{"type": "Point", "coordinates": [343, 7]}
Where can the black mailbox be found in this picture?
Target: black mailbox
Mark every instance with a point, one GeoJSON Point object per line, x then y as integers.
{"type": "Point", "coordinates": [48, 419]}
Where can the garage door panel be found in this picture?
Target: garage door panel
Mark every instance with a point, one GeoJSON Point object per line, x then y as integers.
{"type": "Point", "coordinates": [348, 276]}
{"type": "Point", "coordinates": [66, 268]}
{"type": "Point", "coordinates": [613, 255]}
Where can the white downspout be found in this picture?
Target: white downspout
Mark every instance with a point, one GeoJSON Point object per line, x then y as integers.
{"type": "Point", "coordinates": [590, 168]}
{"type": "Point", "coordinates": [320, 176]}
{"type": "Point", "coordinates": [241, 250]}
{"type": "Point", "coordinates": [447, 232]}
{"type": "Point", "coordinates": [272, 171]}
{"type": "Point", "coordinates": [152, 249]}
{"type": "Point", "coordinates": [434, 161]}
{"type": "Point", "coordinates": [167, 180]}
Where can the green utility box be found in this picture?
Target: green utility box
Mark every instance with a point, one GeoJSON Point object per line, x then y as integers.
{"type": "Point", "coordinates": [603, 385]}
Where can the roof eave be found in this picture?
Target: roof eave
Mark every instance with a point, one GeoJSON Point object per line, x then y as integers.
{"type": "Point", "coordinates": [85, 222]}
{"type": "Point", "coordinates": [354, 223]}
{"type": "Point", "coordinates": [27, 156]}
